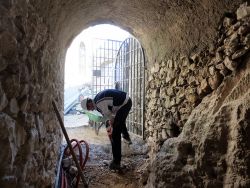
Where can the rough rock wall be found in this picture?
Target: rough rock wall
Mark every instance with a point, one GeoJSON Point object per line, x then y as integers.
{"type": "Point", "coordinates": [163, 27]}
{"type": "Point", "coordinates": [29, 135]}
{"type": "Point", "coordinates": [213, 147]}
{"type": "Point", "coordinates": [176, 86]}
{"type": "Point", "coordinates": [34, 36]}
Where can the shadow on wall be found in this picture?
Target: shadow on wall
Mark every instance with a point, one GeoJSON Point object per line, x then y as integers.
{"type": "Point", "coordinates": [175, 130]}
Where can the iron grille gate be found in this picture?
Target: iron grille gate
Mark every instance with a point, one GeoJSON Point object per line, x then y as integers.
{"type": "Point", "coordinates": [130, 77]}
{"type": "Point", "coordinates": [103, 64]}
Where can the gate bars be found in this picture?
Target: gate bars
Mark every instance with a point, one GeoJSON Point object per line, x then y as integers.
{"type": "Point", "coordinates": [130, 77]}
{"type": "Point", "coordinates": [122, 64]}
{"type": "Point", "coordinates": [103, 64]}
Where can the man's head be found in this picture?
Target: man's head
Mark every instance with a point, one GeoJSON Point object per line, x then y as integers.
{"type": "Point", "coordinates": [87, 104]}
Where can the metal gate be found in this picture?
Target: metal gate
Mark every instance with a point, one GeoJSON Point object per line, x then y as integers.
{"type": "Point", "coordinates": [130, 77]}
{"type": "Point", "coordinates": [104, 54]}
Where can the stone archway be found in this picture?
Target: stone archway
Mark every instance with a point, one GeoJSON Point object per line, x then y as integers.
{"type": "Point", "coordinates": [34, 36]}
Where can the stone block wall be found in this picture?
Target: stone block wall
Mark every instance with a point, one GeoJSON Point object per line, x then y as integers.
{"type": "Point", "coordinates": [29, 132]}
{"type": "Point", "coordinates": [213, 148]}
{"type": "Point", "coordinates": [176, 86]}
{"type": "Point", "coordinates": [34, 36]}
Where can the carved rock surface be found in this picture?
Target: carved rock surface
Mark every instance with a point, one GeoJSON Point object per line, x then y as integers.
{"type": "Point", "coordinates": [34, 37]}
{"type": "Point", "coordinates": [214, 141]}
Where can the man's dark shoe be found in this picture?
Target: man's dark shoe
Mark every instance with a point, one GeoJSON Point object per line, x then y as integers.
{"type": "Point", "coordinates": [114, 166]}
{"type": "Point", "coordinates": [127, 140]}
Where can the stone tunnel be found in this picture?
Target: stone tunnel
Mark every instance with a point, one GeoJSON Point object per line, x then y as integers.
{"type": "Point", "coordinates": [197, 86]}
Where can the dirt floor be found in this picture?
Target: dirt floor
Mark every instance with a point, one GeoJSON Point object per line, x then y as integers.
{"type": "Point", "coordinates": [97, 172]}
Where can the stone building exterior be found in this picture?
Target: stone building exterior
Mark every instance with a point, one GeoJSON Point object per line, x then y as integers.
{"type": "Point", "coordinates": [197, 90]}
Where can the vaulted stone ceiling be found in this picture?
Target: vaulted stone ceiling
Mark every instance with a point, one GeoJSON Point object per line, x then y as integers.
{"type": "Point", "coordinates": [162, 26]}
{"type": "Point", "coordinates": [204, 91]}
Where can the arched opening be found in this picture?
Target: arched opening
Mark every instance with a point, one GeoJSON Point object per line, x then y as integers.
{"type": "Point", "coordinates": [130, 77]}
{"type": "Point", "coordinates": [93, 67]}
{"type": "Point", "coordinates": [188, 63]}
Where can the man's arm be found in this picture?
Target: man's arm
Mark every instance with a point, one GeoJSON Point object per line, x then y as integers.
{"type": "Point", "coordinates": [105, 106]}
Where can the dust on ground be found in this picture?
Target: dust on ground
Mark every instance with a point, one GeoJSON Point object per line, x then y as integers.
{"type": "Point", "coordinates": [134, 157]}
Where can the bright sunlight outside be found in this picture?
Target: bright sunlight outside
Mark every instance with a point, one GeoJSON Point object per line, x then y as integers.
{"type": "Point", "coordinates": [79, 61]}
{"type": "Point", "coordinates": [73, 56]}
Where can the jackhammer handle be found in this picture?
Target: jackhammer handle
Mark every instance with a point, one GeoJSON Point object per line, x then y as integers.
{"type": "Point", "coordinates": [69, 143]}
